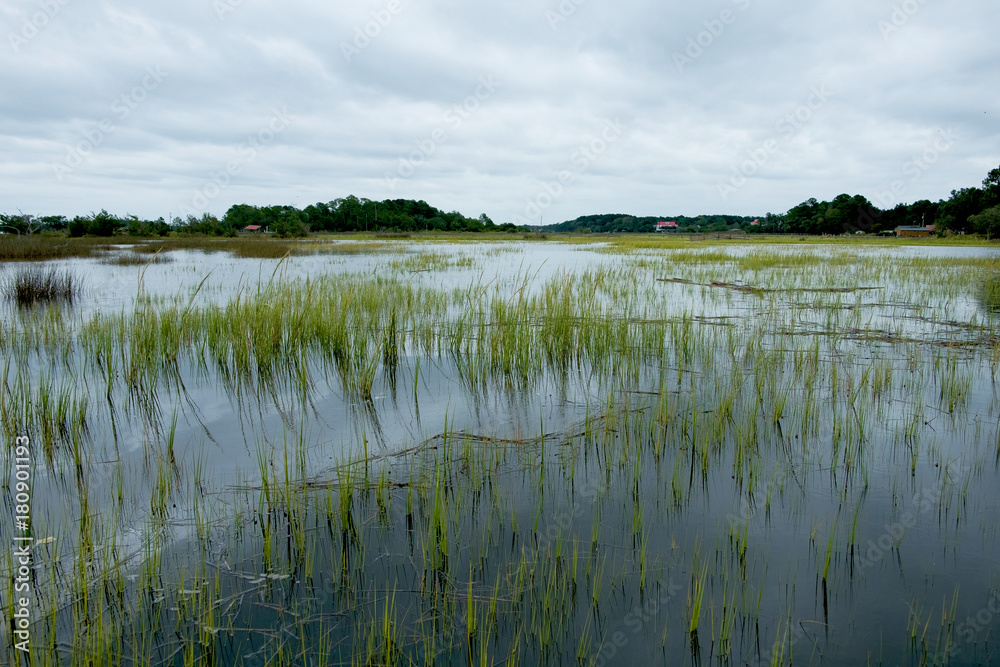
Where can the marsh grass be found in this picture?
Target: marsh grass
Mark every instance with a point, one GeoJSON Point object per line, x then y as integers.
{"type": "Point", "coordinates": [990, 292]}
{"type": "Point", "coordinates": [360, 247]}
{"type": "Point", "coordinates": [132, 258]}
{"type": "Point", "coordinates": [255, 248]}
{"type": "Point", "coordinates": [32, 286]}
{"type": "Point", "coordinates": [431, 261]}
{"type": "Point", "coordinates": [37, 247]}
{"type": "Point", "coordinates": [536, 544]}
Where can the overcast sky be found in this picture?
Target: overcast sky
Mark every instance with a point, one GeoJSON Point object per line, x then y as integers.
{"type": "Point", "coordinates": [523, 110]}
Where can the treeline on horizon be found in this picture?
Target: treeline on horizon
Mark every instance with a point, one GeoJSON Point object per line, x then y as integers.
{"type": "Point", "coordinates": [967, 210]}
{"type": "Point", "coordinates": [350, 214]}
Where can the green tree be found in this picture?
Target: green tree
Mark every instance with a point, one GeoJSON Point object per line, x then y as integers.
{"type": "Point", "coordinates": [987, 222]}
{"type": "Point", "coordinates": [21, 224]}
{"type": "Point", "coordinates": [287, 222]}
{"type": "Point", "coordinates": [241, 215]}
{"type": "Point", "coordinates": [962, 204]}
{"type": "Point", "coordinates": [104, 224]}
{"type": "Point", "coordinates": [992, 179]}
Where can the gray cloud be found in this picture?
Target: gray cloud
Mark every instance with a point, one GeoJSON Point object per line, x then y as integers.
{"type": "Point", "coordinates": [700, 89]}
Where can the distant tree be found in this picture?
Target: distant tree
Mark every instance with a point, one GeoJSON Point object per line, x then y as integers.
{"type": "Point", "coordinates": [987, 222]}
{"type": "Point", "coordinates": [135, 227]}
{"type": "Point", "coordinates": [207, 225]}
{"type": "Point", "coordinates": [921, 213]}
{"type": "Point", "coordinates": [96, 224]}
{"type": "Point", "coordinates": [104, 224]}
{"type": "Point", "coordinates": [21, 224]}
{"type": "Point", "coordinates": [77, 226]}
{"type": "Point", "coordinates": [804, 218]}
{"type": "Point", "coordinates": [54, 222]}
{"type": "Point", "coordinates": [992, 179]}
{"type": "Point", "coordinates": [961, 206]}
{"type": "Point", "coordinates": [241, 215]}
{"type": "Point", "coordinates": [350, 209]}
{"type": "Point", "coordinates": [320, 217]}
{"type": "Point", "coordinates": [287, 223]}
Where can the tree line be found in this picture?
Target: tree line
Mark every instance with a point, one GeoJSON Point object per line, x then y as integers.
{"type": "Point", "coordinates": [967, 210]}
{"type": "Point", "coordinates": [614, 223]}
{"type": "Point", "coordinates": [975, 209]}
{"type": "Point", "coordinates": [349, 214]}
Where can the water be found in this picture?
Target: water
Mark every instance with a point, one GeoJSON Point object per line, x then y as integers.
{"type": "Point", "coordinates": [669, 471]}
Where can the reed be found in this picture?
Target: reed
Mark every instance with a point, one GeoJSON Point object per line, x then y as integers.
{"type": "Point", "coordinates": [31, 286]}
{"type": "Point", "coordinates": [601, 399]}
{"type": "Point", "coordinates": [38, 247]}
{"type": "Point", "coordinates": [133, 258]}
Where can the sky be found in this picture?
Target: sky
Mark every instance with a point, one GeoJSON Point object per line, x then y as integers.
{"type": "Point", "coordinates": [528, 111]}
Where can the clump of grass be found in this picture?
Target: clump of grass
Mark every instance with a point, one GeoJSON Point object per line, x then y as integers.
{"type": "Point", "coordinates": [355, 247]}
{"type": "Point", "coordinates": [251, 247]}
{"type": "Point", "coordinates": [261, 248]}
{"type": "Point", "coordinates": [38, 247]}
{"type": "Point", "coordinates": [432, 261]}
{"type": "Point", "coordinates": [205, 244]}
{"type": "Point", "coordinates": [990, 293]}
{"type": "Point", "coordinates": [131, 258]}
{"type": "Point", "coordinates": [33, 285]}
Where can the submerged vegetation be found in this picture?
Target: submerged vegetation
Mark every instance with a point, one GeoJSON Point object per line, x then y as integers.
{"type": "Point", "coordinates": [735, 454]}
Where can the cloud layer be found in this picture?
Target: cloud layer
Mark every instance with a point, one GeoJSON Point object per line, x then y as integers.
{"type": "Point", "coordinates": [525, 111]}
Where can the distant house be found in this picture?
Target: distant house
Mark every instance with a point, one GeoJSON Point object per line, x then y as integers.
{"type": "Point", "coordinates": [666, 226]}
{"type": "Point", "coordinates": [253, 229]}
{"type": "Point", "coordinates": [913, 232]}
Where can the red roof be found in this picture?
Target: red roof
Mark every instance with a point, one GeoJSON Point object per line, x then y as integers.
{"type": "Point", "coordinates": [251, 228]}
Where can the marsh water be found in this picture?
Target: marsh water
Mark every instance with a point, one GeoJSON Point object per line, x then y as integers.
{"type": "Point", "coordinates": [513, 453]}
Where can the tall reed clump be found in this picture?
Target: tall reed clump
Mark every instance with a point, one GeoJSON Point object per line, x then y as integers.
{"type": "Point", "coordinates": [990, 293]}
{"type": "Point", "coordinates": [36, 247]}
{"type": "Point", "coordinates": [130, 258]}
{"type": "Point", "coordinates": [33, 285]}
